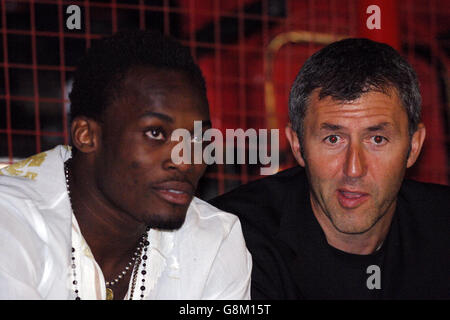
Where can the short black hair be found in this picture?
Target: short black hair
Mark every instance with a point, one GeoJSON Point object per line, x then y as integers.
{"type": "Point", "coordinates": [104, 66]}
{"type": "Point", "coordinates": [346, 69]}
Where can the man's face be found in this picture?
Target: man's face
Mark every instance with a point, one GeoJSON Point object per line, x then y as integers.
{"type": "Point", "coordinates": [134, 166]}
{"type": "Point", "coordinates": [355, 156]}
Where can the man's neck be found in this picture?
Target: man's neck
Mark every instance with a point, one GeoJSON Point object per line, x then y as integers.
{"type": "Point", "coordinates": [358, 243]}
{"type": "Point", "coordinates": [111, 234]}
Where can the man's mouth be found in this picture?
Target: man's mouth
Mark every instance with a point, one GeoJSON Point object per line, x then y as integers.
{"type": "Point", "coordinates": [351, 199]}
{"type": "Point", "coordinates": [175, 192]}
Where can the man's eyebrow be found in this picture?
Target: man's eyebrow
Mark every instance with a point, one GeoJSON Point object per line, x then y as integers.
{"type": "Point", "coordinates": [379, 127]}
{"type": "Point", "coordinates": [158, 115]}
{"type": "Point", "coordinates": [330, 127]}
{"type": "Point", "coordinates": [336, 127]}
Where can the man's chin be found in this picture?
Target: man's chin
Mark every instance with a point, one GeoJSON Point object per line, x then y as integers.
{"type": "Point", "coordinates": [352, 226]}
{"type": "Point", "coordinates": [166, 222]}
{"type": "Point", "coordinates": [353, 230]}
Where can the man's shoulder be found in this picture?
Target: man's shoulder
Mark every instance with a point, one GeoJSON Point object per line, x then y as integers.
{"type": "Point", "coordinates": [16, 187]}
{"type": "Point", "coordinates": [264, 189]}
{"type": "Point", "coordinates": [38, 178]}
{"type": "Point", "coordinates": [203, 247]}
{"type": "Point", "coordinates": [31, 191]}
{"type": "Point", "coordinates": [426, 202]}
{"type": "Point", "coordinates": [266, 200]}
{"type": "Point", "coordinates": [203, 215]}
{"type": "Point", "coordinates": [17, 196]}
{"type": "Point", "coordinates": [425, 194]}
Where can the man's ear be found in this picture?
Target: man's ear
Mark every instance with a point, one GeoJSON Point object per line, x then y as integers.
{"type": "Point", "coordinates": [296, 149]}
{"type": "Point", "coordinates": [416, 144]}
{"type": "Point", "coordinates": [86, 134]}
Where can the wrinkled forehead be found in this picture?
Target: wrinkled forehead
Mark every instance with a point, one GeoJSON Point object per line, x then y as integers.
{"type": "Point", "coordinates": [349, 95]}
{"type": "Point", "coordinates": [370, 107]}
{"type": "Point", "coordinates": [320, 97]}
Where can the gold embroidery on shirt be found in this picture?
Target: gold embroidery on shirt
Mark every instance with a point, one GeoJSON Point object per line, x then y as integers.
{"type": "Point", "coordinates": [17, 169]}
{"type": "Point", "coordinates": [30, 175]}
{"type": "Point", "coordinates": [37, 159]}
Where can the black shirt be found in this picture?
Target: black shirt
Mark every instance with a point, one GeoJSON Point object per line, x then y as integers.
{"type": "Point", "coordinates": [292, 259]}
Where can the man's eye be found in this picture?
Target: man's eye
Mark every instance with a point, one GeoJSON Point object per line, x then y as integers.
{"type": "Point", "coordinates": [333, 139]}
{"type": "Point", "coordinates": [155, 133]}
{"type": "Point", "coordinates": [379, 140]}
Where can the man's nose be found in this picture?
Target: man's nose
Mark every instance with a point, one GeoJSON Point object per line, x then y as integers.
{"type": "Point", "coordinates": [176, 164]}
{"type": "Point", "coordinates": [182, 167]}
{"type": "Point", "coordinates": [355, 162]}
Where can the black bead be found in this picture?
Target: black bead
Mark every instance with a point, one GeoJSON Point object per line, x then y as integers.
{"type": "Point", "coordinates": [144, 257]}
{"type": "Point", "coordinates": [144, 272]}
{"type": "Point", "coordinates": [142, 288]}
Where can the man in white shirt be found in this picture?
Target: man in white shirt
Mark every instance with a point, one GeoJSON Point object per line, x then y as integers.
{"type": "Point", "coordinates": [114, 217]}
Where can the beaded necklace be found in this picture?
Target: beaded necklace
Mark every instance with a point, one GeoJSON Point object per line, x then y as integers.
{"type": "Point", "coordinates": [138, 261]}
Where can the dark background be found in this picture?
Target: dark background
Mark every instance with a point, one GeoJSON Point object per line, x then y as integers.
{"type": "Point", "coordinates": [233, 42]}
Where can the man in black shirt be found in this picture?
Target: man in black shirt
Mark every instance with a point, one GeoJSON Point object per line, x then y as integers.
{"type": "Point", "coordinates": [346, 225]}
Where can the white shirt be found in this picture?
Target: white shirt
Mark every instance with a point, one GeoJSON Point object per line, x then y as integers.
{"type": "Point", "coordinates": [205, 259]}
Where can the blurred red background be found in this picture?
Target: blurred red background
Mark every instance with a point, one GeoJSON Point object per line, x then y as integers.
{"type": "Point", "coordinates": [249, 51]}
